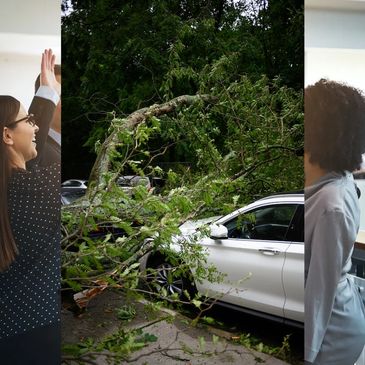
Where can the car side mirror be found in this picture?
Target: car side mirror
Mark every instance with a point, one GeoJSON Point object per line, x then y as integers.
{"type": "Point", "coordinates": [218, 231]}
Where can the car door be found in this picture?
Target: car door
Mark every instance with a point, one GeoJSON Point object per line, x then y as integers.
{"type": "Point", "coordinates": [252, 257]}
{"type": "Point", "coordinates": [293, 270]}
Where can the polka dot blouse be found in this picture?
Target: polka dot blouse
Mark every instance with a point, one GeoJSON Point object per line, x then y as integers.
{"type": "Point", "coordinates": [29, 289]}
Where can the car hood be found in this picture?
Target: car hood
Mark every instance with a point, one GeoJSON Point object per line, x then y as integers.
{"type": "Point", "coordinates": [191, 226]}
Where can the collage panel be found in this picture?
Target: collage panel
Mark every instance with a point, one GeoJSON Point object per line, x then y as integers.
{"type": "Point", "coordinates": [30, 255]}
{"type": "Point", "coordinates": [334, 163]}
{"type": "Point", "coordinates": [182, 182]}
{"type": "Point", "coordinates": [179, 231]}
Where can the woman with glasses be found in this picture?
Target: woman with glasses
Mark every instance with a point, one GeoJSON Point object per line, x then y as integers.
{"type": "Point", "coordinates": [334, 143]}
{"type": "Point", "coordinates": [29, 230]}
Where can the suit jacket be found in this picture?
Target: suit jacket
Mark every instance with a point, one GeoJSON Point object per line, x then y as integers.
{"type": "Point", "coordinates": [51, 154]}
{"type": "Point", "coordinates": [47, 153]}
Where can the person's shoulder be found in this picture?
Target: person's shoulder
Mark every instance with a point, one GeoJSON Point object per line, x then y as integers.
{"type": "Point", "coordinates": [35, 178]}
{"type": "Point", "coordinates": [338, 195]}
{"type": "Point", "coordinates": [40, 172]}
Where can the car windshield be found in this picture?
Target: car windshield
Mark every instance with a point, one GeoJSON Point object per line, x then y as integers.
{"type": "Point", "coordinates": [70, 197]}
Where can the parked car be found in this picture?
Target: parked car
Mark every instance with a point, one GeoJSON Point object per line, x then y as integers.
{"type": "Point", "coordinates": [158, 184]}
{"type": "Point", "coordinates": [73, 185]}
{"type": "Point", "coordinates": [128, 182]}
{"type": "Point", "coordinates": [265, 240]}
{"type": "Point", "coordinates": [68, 197]}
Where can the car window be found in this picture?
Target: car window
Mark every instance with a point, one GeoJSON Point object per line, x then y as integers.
{"type": "Point", "coordinates": [123, 182]}
{"type": "Point", "coordinates": [142, 181]}
{"type": "Point", "coordinates": [264, 223]}
{"type": "Point", "coordinates": [296, 230]}
{"type": "Point", "coordinates": [70, 197]}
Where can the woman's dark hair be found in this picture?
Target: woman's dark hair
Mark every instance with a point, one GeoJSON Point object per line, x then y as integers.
{"type": "Point", "coordinates": [334, 121]}
{"type": "Point", "coordinates": [9, 109]}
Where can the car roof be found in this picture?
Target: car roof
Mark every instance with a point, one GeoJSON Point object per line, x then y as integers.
{"type": "Point", "coordinates": [291, 197]}
{"type": "Point", "coordinates": [80, 180]}
{"type": "Point", "coordinates": [284, 197]}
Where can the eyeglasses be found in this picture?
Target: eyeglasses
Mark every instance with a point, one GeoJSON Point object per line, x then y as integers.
{"type": "Point", "coordinates": [29, 119]}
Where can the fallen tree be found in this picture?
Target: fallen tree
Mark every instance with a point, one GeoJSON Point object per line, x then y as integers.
{"type": "Point", "coordinates": [244, 140]}
{"type": "Point", "coordinates": [107, 149]}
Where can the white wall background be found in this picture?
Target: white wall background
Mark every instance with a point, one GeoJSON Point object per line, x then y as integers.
{"type": "Point", "coordinates": [346, 65]}
{"type": "Point", "coordinates": [335, 48]}
{"type": "Point", "coordinates": [335, 45]}
{"type": "Point", "coordinates": [26, 29]}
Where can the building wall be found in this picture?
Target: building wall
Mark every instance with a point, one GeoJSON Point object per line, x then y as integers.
{"type": "Point", "coordinates": [335, 46]}
{"type": "Point", "coordinates": [26, 29]}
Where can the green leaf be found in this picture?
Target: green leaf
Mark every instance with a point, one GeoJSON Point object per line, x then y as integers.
{"type": "Point", "coordinates": [197, 303]}
{"type": "Point", "coordinates": [150, 337]}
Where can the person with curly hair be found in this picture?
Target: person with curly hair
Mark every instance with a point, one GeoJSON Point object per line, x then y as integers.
{"type": "Point", "coordinates": [334, 143]}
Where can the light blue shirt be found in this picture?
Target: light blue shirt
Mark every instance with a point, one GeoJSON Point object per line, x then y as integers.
{"type": "Point", "coordinates": [334, 312]}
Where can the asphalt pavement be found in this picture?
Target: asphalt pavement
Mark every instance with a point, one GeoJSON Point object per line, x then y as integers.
{"type": "Point", "coordinates": [176, 340]}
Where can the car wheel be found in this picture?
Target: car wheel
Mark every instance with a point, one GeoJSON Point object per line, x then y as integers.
{"type": "Point", "coordinates": [164, 277]}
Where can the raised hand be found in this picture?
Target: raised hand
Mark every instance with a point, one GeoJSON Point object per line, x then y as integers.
{"type": "Point", "coordinates": [48, 77]}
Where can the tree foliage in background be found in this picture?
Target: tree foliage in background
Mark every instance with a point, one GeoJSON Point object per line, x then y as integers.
{"type": "Point", "coordinates": [121, 56]}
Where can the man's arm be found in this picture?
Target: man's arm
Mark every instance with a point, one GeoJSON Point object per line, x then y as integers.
{"type": "Point", "coordinates": [44, 103]}
{"type": "Point", "coordinates": [43, 108]}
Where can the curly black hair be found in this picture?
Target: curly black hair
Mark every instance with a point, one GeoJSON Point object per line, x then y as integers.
{"type": "Point", "coordinates": [334, 121]}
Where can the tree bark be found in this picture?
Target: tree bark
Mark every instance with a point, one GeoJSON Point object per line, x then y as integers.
{"type": "Point", "coordinates": [102, 162]}
{"type": "Point", "coordinates": [218, 15]}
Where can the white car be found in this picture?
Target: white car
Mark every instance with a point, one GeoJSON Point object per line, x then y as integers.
{"type": "Point", "coordinates": [263, 240]}
{"type": "Point", "coordinates": [74, 185]}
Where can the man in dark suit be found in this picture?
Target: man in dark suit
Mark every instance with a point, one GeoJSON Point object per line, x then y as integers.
{"type": "Point", "coordinates": [52, 147]}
